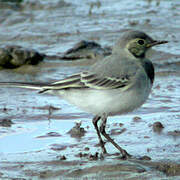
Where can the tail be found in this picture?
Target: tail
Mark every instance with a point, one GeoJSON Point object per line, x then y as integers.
{"type": "Point", "coordinates": [73, 81]}
{"type": "Point", "coordinates": [35, 86]}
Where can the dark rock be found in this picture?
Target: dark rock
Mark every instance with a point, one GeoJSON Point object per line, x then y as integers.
{"type": "Point", "coordinates": [77, 131]}
{"type": "Point", "coordinates": [16, 56]}
{"type": "Point", "coordinates": [93, 157]}
{"type": "Point", "coordinates": [133, 22]}
{"type": "Point", "coordinates": [137, 119]}
{"type": "Point", "coordinates": [86, 149]}
{"type": "Point", "coordinates": [146, 158]}
{"type": "Point", "coordinates": [6, 122]}
{"type": "Point", "coordinates": [86, 49]}
{"type": "Point", "coordinates": [157, 127]}
{"type": "Point", "coordinates": [62, 157]}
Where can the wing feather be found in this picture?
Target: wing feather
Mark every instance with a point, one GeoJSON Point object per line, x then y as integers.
{"type": "Point", "coordinates": [89, 80]}
{"type": "Point", "coordinates": [97, 82]}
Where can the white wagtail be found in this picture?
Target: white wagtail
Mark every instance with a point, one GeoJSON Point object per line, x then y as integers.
{"type": "Point", "coordinates": [115, 85]}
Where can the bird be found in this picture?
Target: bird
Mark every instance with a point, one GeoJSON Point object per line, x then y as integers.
{"type": "Point", "coordinates": [115, 85]}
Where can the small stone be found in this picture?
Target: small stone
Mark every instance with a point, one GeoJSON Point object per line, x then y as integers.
{"type": "Point", "coordinates": [6, 122]}
{"type": "Point", "coordinates": [121, 124]}
{"type": "Point", "coordinates": [136, 119]}
{"type": "Point", "coordinates": [93, 157]}
{"type": "Point", "coordinates": [147, 137]}
{"type": "Point", "coordinates": [63, 157]}
{"type": "Point", "coordinates": [133, 23]}
{"type": "Point", "coordinates": [146, 158]}
{"type": "Point", "coordinates": [157, 127]}
{"type": "Point", "coordinates": [77, 131]}
{"type": "Point", "coordinates": [86, 148]}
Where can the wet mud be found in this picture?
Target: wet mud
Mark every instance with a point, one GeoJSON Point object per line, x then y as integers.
{"type": "Point", "coordinates": [44, 137]}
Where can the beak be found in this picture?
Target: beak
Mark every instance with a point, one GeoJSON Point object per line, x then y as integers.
{"type": "Point", "coordinates": [154, 43]}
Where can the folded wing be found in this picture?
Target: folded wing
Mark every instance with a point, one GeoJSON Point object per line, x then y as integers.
{"type": "Point", "coordinates": [89, 80]}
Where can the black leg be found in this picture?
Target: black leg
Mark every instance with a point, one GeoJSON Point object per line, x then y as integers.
{"type": "Point", "coordinates": [101, 142]}
{"type": "Point", "coordinates": [103, 132]}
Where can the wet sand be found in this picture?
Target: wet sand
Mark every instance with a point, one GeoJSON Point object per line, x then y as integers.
{"type": "Point", "coordinates": [35, 138]}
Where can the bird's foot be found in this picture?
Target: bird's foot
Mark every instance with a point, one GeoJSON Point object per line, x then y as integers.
{"type": "Point", "coordinates": [125, 155]}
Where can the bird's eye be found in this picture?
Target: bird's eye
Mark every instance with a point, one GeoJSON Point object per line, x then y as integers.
{"type": "Point", "coordinates": [141, 42]}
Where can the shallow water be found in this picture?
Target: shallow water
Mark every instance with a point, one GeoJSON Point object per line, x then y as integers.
{"type": "Point", "coordinates": [33, 146]}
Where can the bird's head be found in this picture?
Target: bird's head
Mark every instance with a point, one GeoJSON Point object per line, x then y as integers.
{"type": "Point", "coordinates": [137, 43]}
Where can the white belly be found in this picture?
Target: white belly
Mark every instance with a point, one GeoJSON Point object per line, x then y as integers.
{"type": "Point", "coordinates": [110, 102]}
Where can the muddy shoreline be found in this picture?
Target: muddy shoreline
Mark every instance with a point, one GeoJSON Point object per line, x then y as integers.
{"type": "Point", "coordinates": [34, 138]}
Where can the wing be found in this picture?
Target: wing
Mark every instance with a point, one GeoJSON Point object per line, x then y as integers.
{"type": "Point", "coordinates": [89, 80]}
{"type": "Point", "coordinates": [97, 82]}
